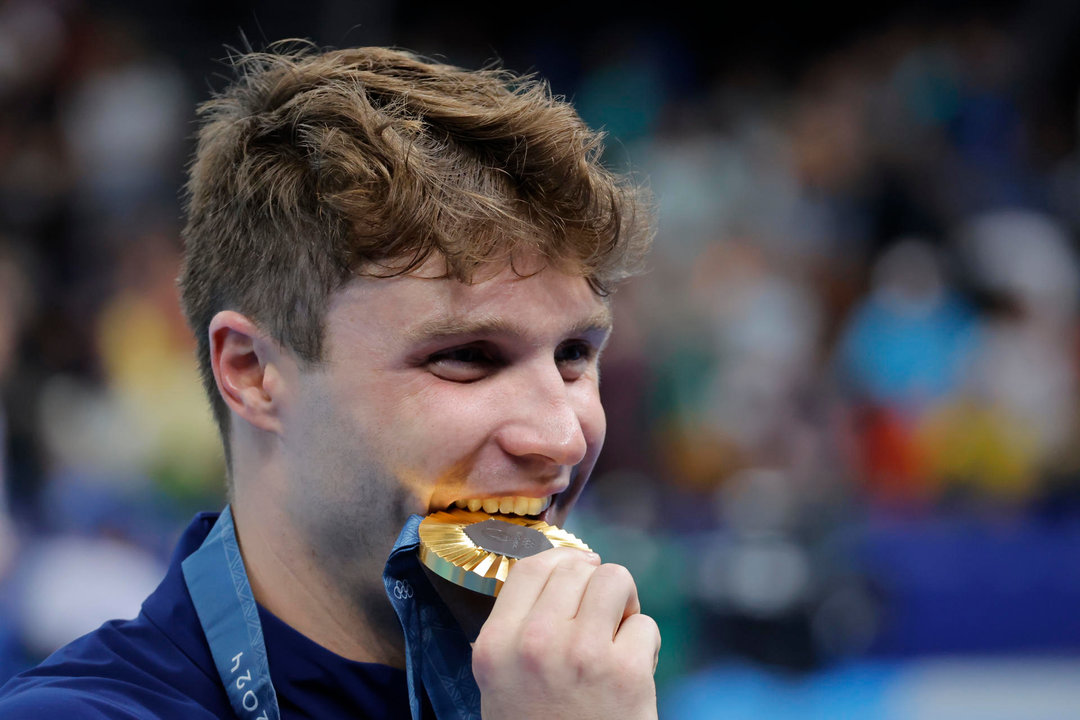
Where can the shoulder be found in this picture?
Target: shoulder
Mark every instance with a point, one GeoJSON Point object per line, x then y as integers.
{"type": "Point", "coordinates": [60, 702]}
{"type": "Point", "coordinates": [157, 665]}
{"type": "Point", "coordinates": [122, 671]}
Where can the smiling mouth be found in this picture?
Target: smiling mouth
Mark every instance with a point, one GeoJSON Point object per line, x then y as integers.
{"type": "Point", "coordinates": [509, 505]}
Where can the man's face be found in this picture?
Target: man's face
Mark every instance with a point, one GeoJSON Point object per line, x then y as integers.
{"type": "Point", "coordinates": [432, 392]}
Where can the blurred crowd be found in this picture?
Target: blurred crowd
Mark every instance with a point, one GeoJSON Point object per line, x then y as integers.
{"type": "Point", "coordinates": [843, 402]}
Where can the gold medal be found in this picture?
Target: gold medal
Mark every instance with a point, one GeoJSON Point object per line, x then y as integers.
{"type": "Point", "coordinates": [476, 550]}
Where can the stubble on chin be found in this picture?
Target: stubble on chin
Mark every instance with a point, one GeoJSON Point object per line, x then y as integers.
{"type": "Point", "coordinates": [350, 538]}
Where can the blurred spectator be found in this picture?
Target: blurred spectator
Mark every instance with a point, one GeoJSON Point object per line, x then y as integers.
{"type": "Point", "coordinates": [902, 352]}
{"type": "Point", "coordinates": [123, 124]}
{"type": "Point", "coordinates": [14, 311]}
{"type": "Point", "coordinates": [114, 578]}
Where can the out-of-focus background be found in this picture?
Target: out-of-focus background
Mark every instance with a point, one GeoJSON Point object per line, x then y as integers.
{"type": "Point", "coordinates": [844, 404]}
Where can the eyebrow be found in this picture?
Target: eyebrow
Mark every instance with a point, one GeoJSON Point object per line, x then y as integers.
{"type": "Point", "coordinates": [452, 326]}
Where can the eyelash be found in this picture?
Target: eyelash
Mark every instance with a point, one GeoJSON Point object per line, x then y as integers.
{"type": "Point", "coordinates": [476, 355]}
{"type": "Point", "coordinates": [584, 350]}
{"type": "Point", "coordinates": [481, 356]}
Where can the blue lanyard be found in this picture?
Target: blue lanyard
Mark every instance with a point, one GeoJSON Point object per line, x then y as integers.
{"type": "Point", "coordinates": [438, 654]}
{"type": "Point", "coordinates": [229, 617]}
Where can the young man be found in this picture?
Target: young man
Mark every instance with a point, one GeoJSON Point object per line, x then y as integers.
{"type": "Point", "coordinates": [397, 275]}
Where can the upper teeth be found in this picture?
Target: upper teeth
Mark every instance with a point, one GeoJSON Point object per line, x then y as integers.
{"type": "Point", "coordinates": [516, 505]}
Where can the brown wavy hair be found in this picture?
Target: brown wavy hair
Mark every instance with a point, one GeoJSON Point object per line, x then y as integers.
{"type": "Point", "coordinates": [315, 166]}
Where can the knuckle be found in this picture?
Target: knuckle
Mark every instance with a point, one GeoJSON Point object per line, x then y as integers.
{"type": "Point", "coordinates": [536, 644]}
{"type": "Point", "coordinates": [634, 666]}
{"type": "Point", "coordinates": [648, 627]}
{"type": "Point", "coordinates": [570, 566]}
{"type": "Point", "coordinates": [615, 573]}
{"type": "Point", "coordinates": [485, 662]}
{"type": "Point", "coordinates": [655, 630]}
{"type": "Point", "coordinates": [490, 636]}
{"type": "Point", "coordinates": [644, 628]}
{"type": "Point", "coordinates": [586, 658]}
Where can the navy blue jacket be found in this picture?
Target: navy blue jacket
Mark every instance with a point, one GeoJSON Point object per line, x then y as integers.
{"type": "Point", "coordinates": [159, 666]}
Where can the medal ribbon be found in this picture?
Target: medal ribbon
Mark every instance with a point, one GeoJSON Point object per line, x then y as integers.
{"type": "Point", "coordinates": [438, 655]}
{"type": "Point", "coordinates": [229, 617]}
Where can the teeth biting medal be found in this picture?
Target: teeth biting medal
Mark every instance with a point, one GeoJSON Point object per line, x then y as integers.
{"type": "Point", "coordinates": [475, 549]}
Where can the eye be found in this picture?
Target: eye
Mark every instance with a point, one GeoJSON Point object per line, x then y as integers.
{"type": "Point", "coordinates": [574, 358]}
{"type": "Point", "coordinates": [467, 363]}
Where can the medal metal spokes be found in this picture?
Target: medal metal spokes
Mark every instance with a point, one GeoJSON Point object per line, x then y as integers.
{"type": "Point", "coordinates": [476, 550]}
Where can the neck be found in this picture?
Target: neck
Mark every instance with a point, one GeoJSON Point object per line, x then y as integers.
{"type": "Point", "coordinates": [288, 579]}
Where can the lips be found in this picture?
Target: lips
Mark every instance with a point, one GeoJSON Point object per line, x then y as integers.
{"type": "Point", "coordinates": [508, 505]}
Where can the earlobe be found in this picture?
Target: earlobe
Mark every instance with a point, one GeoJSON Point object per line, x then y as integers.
{"type": "Point", "coordinates": [242, 357]}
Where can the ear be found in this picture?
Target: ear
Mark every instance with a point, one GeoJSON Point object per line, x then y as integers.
{"type": "Point", "coordinates": [245, 362]}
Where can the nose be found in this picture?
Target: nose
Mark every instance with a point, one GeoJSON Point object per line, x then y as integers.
{"type": "Point", "coordinates": [547, 418]}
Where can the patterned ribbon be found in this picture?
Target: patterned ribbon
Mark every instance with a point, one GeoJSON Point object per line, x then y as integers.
{"type": "Point", "coordinates": [438, 654]}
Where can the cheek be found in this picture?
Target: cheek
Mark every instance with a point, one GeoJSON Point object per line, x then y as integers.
{"type": "Point", "coordinates": [441, 443]}
{"type": "Point", "coordinates": [440, 425]}
{"type": "Point", "coordinates": [591, 416]}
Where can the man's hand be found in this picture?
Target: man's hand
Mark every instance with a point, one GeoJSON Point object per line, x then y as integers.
{"type": "Point", "coordinates": [566, 639]}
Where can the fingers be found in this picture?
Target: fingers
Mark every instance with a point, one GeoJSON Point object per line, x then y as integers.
{"type": "Point", "coordinates": [564, 585]}
{"type": "Point", "coordinates": [639, 637]}
{"type": "Point", "coordinates": [610, 598]}
{"type": "Point", "coordinates": [567, 584]}
{"type": "Point", "coordinates": [530, 576]}
{"type": "Point", "coordinates": [566, 638]}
